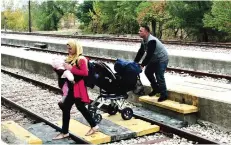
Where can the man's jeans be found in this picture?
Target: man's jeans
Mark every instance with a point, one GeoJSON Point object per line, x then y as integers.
{"type": "Point", "coordinates": [158, 82]}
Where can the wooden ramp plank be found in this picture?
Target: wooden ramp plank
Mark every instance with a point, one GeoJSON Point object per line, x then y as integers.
{"type": "Point", "coordinates": [109, 128]}
{"type": "Point", "coordinates": [21, 133]}
{"type": "Point", "coordinates": [138, 126]}
{"type": "Point", "coordinates": [169, 104]}
{"type": "Point", "coordinates": [80, 130]}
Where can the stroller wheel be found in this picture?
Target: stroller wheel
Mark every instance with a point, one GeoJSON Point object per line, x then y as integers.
{"type": "Point", "coordinates": [112, 109]}
{"type": "Point", "coordinates": [98, 118]}
{"type": "Point", "coordinates": [127, 113]}
{"type": "Point", "coordinates": [92, 108]}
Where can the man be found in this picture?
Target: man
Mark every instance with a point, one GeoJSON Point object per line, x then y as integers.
{"type": "Point", "coordinates": [156, 61]}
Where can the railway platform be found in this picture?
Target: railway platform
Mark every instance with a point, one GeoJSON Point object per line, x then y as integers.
{"type": "Point", "coordinates": [218, 63]}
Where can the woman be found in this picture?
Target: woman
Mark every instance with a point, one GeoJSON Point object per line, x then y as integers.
{"type": "Point", "coordinates": [77, 93]}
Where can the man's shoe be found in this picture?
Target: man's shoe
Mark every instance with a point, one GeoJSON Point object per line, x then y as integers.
{"type": "Point", "coordinates": [153, 93]}
{"type": "Point", "coordinates": [161, 99]}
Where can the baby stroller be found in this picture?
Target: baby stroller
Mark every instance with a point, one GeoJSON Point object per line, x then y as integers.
{"type": "Point", "coordinates": [114, 87]}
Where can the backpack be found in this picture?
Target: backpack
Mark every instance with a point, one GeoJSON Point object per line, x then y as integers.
{"type": "Point", "coordinates": [90, 79]}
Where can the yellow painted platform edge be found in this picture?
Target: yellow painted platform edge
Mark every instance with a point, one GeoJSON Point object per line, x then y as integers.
{"type": "Point", "coordinates": [167, 107]}
{"type": "Point", "coordinates": [36, 140]}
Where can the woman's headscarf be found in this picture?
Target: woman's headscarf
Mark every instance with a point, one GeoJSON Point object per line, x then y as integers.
{"type": "Point", "coordinates": [78, 51]}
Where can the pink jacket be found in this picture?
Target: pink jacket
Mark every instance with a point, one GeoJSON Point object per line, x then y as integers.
{"type": "Point", "coordinates": [80, 90]}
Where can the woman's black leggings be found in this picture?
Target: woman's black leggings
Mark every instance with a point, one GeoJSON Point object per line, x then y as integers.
{"type": "Point", "coordinates": [67, 105]}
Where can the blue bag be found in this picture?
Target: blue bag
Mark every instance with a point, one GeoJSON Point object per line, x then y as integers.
{"type": "Point", "coordinates": [122, 66]}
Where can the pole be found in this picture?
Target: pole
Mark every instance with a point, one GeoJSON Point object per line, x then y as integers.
{"type": "Point", "coordinates": [29, 16]}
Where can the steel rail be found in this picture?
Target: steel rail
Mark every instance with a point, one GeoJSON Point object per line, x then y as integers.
{"type": "Point", "coordinates": [163, 127]}
{"type": "Point", "coordinates": [44, 85]}
{"type": "Point", "coordinates": [137, 40]}
{"type": "Point", "coordinates": [177, 131]}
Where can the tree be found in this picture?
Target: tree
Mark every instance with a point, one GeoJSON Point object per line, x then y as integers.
{"type": "Point", "coordinates": [126, 17]}
{"type": "Point", "coordinates": [114, 17]}
{"type": "Point", "coordinates": [107, 18]}
{"type": "Point", "coordinates": [3, 20]}
{"type": "Point", "coordinates": [188, 16]}
{"type": "Point", "coordinates": [83, 10]}
{"type": "Point", "coordinates": [15, 20]}
{"type": "Point", "coordinates": [7, 5]}
{"type": "Point", "coordinates": [7, 8]}
{"type": "Point", "coordinates": [48, 14]}
{"type": "Point", "coordinates": [154, 13]}
{"type": "Point", "coordinates": [96, 23]}
{"type": "Point", "coordinates": [219, 17]}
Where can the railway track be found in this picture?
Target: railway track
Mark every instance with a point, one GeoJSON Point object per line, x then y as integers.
{"type": "Point", "coordinates": [34, 118]}
{"type": "Point", "coordinates": [107, 38]}
{"type": "Point", "coordinates": [166, 129]}
{"type": "Point", "coordinates": [8, 113]}
{"type": "Point", "coordinates": [16, 101]}
{"type": "Point", "coordinates": [169, 69]}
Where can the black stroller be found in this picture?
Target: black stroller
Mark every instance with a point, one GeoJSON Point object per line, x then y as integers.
{"type": "Point", "coordinates": [114, 87]}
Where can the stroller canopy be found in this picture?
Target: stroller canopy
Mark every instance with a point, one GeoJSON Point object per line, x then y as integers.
{"type": "Point", "coordinates": [117, 83]}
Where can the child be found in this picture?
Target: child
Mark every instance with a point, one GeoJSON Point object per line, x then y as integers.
{"type": "Point", "coordinates": [63, 77]}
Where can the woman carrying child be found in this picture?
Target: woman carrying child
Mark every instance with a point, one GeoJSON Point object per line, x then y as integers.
{"type": "Point", "coordinates": [77, 93]}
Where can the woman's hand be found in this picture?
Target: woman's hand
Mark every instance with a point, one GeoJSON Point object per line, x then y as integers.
{"type": "Point", "coordinates": [67, 66]}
